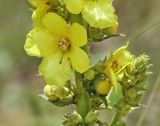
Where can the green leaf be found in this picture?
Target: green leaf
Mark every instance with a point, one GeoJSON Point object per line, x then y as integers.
{"type": "Point", "coordinates": [113, 98]}
{"type": "Point", "coordinates": [84, 104]}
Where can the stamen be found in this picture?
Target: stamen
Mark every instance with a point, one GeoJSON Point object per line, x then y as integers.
{"type": "Point", "coordinates": [114, 64]}
{"type": "Point", "coordinates": [64, 44]}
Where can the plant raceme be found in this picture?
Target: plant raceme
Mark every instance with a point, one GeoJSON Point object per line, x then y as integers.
{"type": "Point", "coordinates": [62, 33]}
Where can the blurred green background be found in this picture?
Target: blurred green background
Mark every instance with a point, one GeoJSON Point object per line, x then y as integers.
{"type": "Point", "coordinates": [19, 84]}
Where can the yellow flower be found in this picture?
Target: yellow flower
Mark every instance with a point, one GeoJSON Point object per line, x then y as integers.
{"type": "Point", "coordinates": [116, 63]}
{"type": "Point", "coordinates": [59, 44]}
{"type": "Point", "coordinates": [42, 6]}
{"type": "Point", "coordinates": [99, 13]}
{"type": "Point", "coordinates": [41, 9]}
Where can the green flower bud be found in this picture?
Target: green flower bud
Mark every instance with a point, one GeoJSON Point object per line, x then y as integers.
{"type": "Point", "coordinates": [132, 83]}
{"type": "Point", "coordinates": [131, 94]}
{"type": "Point", "coordinates": [136, 73]}
{"type": "Point", "coordinates": [124, 81]}
{"type": "Point", "coordinates": [91, 118]}
{"type": "Point", "coordinates": [90, 74]}
{"type": "Point", "coordinates": [95, 34]}
{"type": "Point", "coordinates": [122, 107]}
{"type": "Point", "coordinates": [141, 77]}
{"type": "Point", "coordinates": [141, 63]}
{"type": "Point", "coordinates": [96, 102]}
{"type": "Point", "coordinates": [138, 98]}
{"type": "Point", "coordinates": [136, 102]}
{"type": "Point", "coordinates": [141, 85]}
{"type": "Point", "coordinates": [73, 119]}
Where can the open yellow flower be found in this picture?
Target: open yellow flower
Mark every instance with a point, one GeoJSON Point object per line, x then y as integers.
{"type": "Point", "coordinates": [41, 9]}
{"type": "Point", "coordinates": [99, 13]}
{"type": "Point", "coordinates": [116, 63]}
{"type": "Point", "coordinates": [59, 44]}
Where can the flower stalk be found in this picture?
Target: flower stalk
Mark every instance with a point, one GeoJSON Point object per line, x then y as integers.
{"type": "Point", "coordinates": [63, 31]}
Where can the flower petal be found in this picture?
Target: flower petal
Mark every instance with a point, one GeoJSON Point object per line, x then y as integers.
{"type": "Point", "coordinates": [33, 2]}
{"type": "Point", "coordinates": [116, 63]}
{"type": "Point", "coordinates": [36, 3]}
{"type": "Point", "coordinates": [78, 35]}
{"type": "Point", "coordinates": [79, 60]}
{"type": "Point", "coordinates": [54, 24]}
{"type": "Point", "coordinates": [30, 45]}
{"type": "Point", "coordinates": [123, 56]}
{"type": "Point", "coordinates": [38, 15]}
{"type": "Point", "coordinates": [74, 6]}
{"type": "Point", "coordinates": [99, 14]}
{"type": "Point", "coordinates": [108, 70]}
{"type": "Point", "coordinates": [54, 72]}
{"type": "Point", "coordinates": [113, 78]}
{"type": "Point", "coordinates": [46, 43]}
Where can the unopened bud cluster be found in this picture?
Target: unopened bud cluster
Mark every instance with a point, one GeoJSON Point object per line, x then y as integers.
{"type": "Point", "coordinates": [133, 84]}
{"type": "Point", "coordinates": [59, 96]}
{"type": "Point", "coordinates": [74, 119]}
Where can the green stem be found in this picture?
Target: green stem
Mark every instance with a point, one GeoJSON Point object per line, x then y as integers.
{"type": "Point", "coordinates": [78, 82]}
{"type": "Point", "coordinates": [105, 101]}
{"type": "Point", "coordinates": [116, 119]}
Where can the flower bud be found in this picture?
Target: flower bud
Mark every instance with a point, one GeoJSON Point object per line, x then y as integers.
{"type": "Point", "coordinates": [103, 87]}
{"type": "Point", "coordinates": [136, 102]}
{"type": "Point", "coordinates": [54, 93]}
{"type": "Point", "coordinates": [141, 85]}
{"type": "Point", "coordinates": [141, 77]}
{"type": "Point", "coordinates": [131, 94]}
{"type": "Point", "coordinates": [124, 81]}
{"type": "Point", "coordinates": [96, 102]}
{"type": "Point", "coordinates": [122, 106]}
{"type": "Point", "coordinates": [61, 92]}
{"type": "Point", "coordinates": [49, 91]}
{"type": "Point", "coordinates": [91, 118]}
{"type": "Point", "coordinates": [90, 74]}
{"type": "Point", "coordinates": [73, 119]}
{"type": "Point", "coordinates": [131, 82]}
{"type": "Point", "coordinates": [95, 34]}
